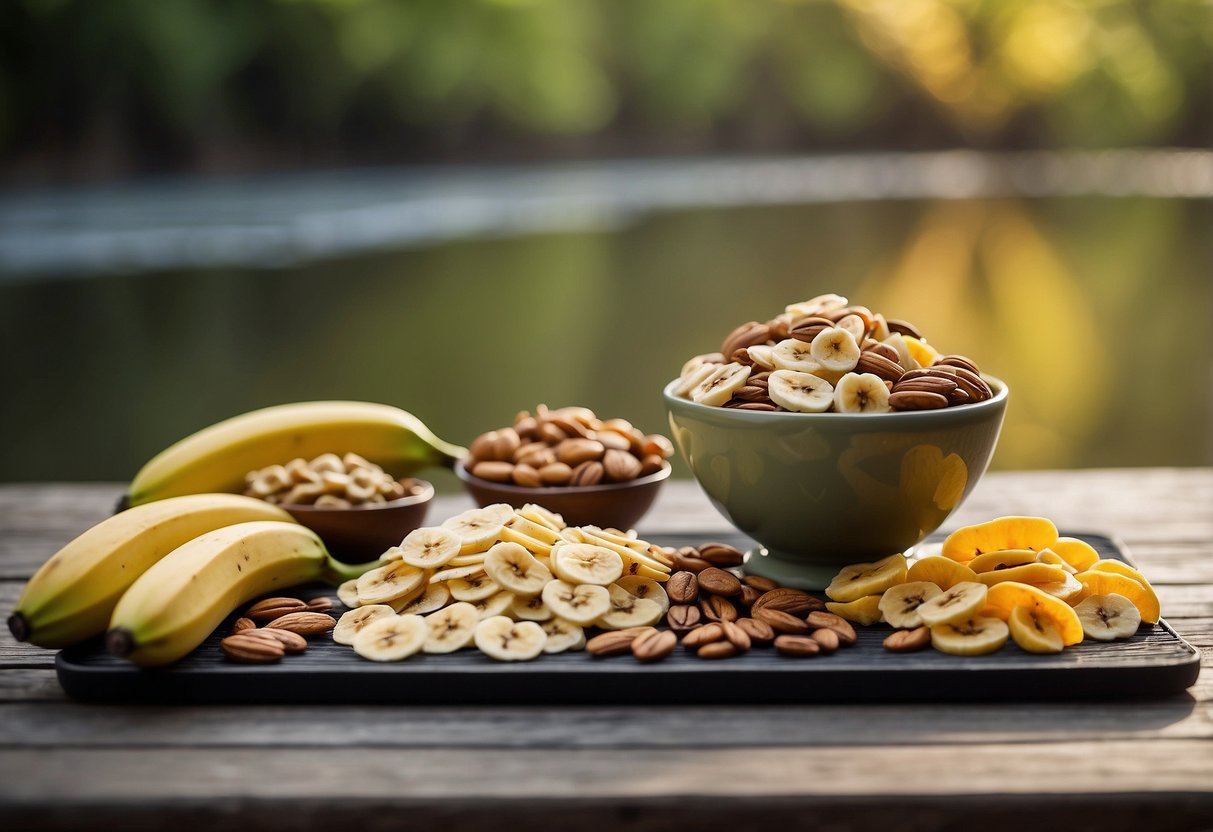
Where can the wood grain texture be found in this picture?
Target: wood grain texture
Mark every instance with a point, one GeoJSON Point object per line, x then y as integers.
{"type": "Point", "coordinates": [1129, 765]}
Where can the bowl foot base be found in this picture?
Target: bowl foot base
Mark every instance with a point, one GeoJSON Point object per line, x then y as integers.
{"type": "Point", "coordinates": [787, 572]}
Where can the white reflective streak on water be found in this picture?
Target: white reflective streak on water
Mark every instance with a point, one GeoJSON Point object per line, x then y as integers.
{"type": "Point", "coordinates": [275, 221]}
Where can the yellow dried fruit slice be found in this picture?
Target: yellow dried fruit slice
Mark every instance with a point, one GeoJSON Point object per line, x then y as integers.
{"type": "Point", "coordinates": [1078, 553]}
{"type": "Point", "coordinates": [1003, 598]}
{"type": "Point", "coordinates": [865, 610]}
{"type": "Point", "coordinates": [945, 573]}
{"type": "Point", "coordinates": [1002, 559]}
{"type": "Point", "coordinates": [1013, 532]}
{"type": "Point", "coordinates": [1035, 631]}
{"type": "Point", "coordinates": [1053, 559]}
{"type": "Point", "coordinates": [1097, 582]}
{"type": "Point", "coordinates": [860, 579]}
{"type": "Point", "coordinates": [1029, 573]}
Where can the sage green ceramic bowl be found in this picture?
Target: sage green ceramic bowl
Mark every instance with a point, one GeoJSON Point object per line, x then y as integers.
{"type": "Point", "coordinates": [822, 490]}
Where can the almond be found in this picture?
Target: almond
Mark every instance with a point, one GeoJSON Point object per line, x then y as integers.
{"type": "Point", "coordinates": [304, 623]}
{"type": "Point", "coordinates": [250, 650]}
{"type": "Point", "coordinates": [268, 609]}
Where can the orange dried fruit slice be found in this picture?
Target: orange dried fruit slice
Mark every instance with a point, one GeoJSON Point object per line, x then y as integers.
{"type": "Point", "coordinates": [1078, 553]}
{"type": "Point", "coordinates": [1001, 559]}
{"type": "Point", "coordinates": [1029, 573]}
{"type": "Point", "coordinates": [921, 351]}
{"type": "Point", "coordinates": [1003, 598]}
{"type": "Point", "coordinates": [945, 573]}
{"type": "Point", "coordinates": [1102, 582]}
{"type": "Point", "coordinates": [865, 611]}
{"type": "Point", "coordinates": [1013, 532]}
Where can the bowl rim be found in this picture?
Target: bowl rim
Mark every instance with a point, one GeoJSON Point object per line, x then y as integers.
{"type": "Point", "coordinates": [469, 478]}
{"type": "Point", "coordinates": [1000, 396]}
{"type": "Point", "coordinates": [425, 496]}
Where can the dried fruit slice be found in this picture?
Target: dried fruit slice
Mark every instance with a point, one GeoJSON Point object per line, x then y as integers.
{"type": "Point", "coordinates": [1034, 631]}
{"type": "Point", "coordinates": [479, 528]}
{"type": "Point", "coordinates": [1065, 590]}
{"type": "Point", "coordinates": [347, 593]}
{"type": "Point", "coordinates": [514, 568]}
{"type": "Point", "coordinates": [562, 636]}
{"type": "Point", "coordinates": [1078, 553]}
{"type": "Point", "coordinates": [957, 603]}
{"type": "Point", "coordinates": [579, 603]}
{"type": "Point", "coordinates": [391, 639]}
{"type": "Point", "coordinates": [355, 621]}
{"type": "Point", "coordinates": [865, 611]}
{"type": "Point", "coordinates": [900, 604]}
{"type": "Point", "coordinates": [1099, 582]}
{"type": "Point", "coordinates": [800, 392]}
{"type": "Point", "coordinates": [1013, 532]}
{"type": "Point", "coordinates": [1029, 573]}
{"type": "Point", "coordinates": [1002, 559]}
{"type": "Point", "coordinates": [451, 628]}
{"type": "Point", "coordinates": [435, 597]}
{"type": "Point", "coordinates": [500, 638]}
{"type": "Point", "coordinates": [473, 588]}
{"type": "Point", "coordinates": [494, 605]}
{"type": "Point", "coordinates": [627, 610]}
{"type": "Point", "coordinates": [860, 579]}
{"type": "Point", "coordinates": [530, 609]}
{"type": "Point", "coordinates": [1108, 617]}
{"type": "Point", "coordinates": [835, 349]}
{"type": "Point", "coordinates": [721, 384]}
{"type": "Point", "coordinates": [430, 548]}
{"type": "Point", "coordinates": [921, 351]}
{"type": "Point", "coordinates": [646, 588]}
{"type": "Point", "coordinates": [945, 573]}
{"type": "Point", "coordinates": [974, 636]}
{"type": "Point", "coordinates": [387, 583]}
{"type": "Point", "coordinates": [585, 563]}
{"type": "Point", "coordinates": [1002, 599]}
{"type": "Point", "coordinates": [1053, 559]}
{"type": "Point", "coordinates": [861, 393]}
{"type": "Point", "coordinates": [794, 355]}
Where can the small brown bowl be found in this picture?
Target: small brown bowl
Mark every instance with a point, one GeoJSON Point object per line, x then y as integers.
{"type": "Point", "coordinates": [362, 533]}
{"type": "Point", "coordinates": [618, 505]}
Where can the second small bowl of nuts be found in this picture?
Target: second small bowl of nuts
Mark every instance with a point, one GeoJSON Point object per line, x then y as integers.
{"type": "Point", "coordinates": [357, 508]}
{"type": "Point", "coordinates": [591, 471]}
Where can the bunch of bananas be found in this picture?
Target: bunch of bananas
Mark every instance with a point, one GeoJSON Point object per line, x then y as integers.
{"type": "Point", "coordinates": [161, 575]}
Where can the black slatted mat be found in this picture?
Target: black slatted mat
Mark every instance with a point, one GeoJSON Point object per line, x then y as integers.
{"type": "Point", "coordinates": [1155, 662]}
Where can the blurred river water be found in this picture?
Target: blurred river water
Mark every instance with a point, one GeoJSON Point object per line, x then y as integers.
{"type": "Point", "coordinates": [131, 318]}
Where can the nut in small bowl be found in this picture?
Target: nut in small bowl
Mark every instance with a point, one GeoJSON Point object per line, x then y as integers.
{"type": "Point", "coordinates": [589, 470]}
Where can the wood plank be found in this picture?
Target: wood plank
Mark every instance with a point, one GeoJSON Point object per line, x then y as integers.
{"type": "Point", "coordinates": [69, 725]}
{"type": "Point", "coordinates": [12, 652]}
{"type": "Point", "coordinates": [67, 776]}
{"type": "Point", "coordinates": [1125, 812]}
{"type": "Point", "coordinates": [30, 685]}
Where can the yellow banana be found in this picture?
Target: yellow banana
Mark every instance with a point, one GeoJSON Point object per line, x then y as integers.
{"type": "Point", "coordinates": [72, 596]}
{"type": "Point", "coordinates": [218, 457]}
{"type": "Point", "coordinates": [180, 600]}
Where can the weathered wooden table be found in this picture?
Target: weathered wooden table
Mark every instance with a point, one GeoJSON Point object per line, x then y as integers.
{"type": "Point", "coordinates": [1129, 765]}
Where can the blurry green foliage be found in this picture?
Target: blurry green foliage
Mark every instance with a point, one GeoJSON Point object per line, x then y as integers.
{"type": "Point", "coordinates": [173, 78]}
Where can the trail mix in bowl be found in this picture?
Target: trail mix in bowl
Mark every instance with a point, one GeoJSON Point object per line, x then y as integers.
{"type": "Point", "coordinates": [826, 355]}
{"type": "Point", "coordinates": [328, 481]}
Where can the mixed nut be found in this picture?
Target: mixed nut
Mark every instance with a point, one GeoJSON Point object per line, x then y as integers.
{"type": "Point", "coordinates": [569, 446]}
{"type": "Point", "coordinates": [825, 355]}
{"type": "Point", "coordinates": [288, 624]}
{"type": "Point", "coordinates": [328, 481]}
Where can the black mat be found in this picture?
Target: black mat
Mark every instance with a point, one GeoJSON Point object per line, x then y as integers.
{"type": "Point", "coordinates": [1155, 662]}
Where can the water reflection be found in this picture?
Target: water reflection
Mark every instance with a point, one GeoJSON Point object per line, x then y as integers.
{"type": "Point", "coordinates": [1050, 294]}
